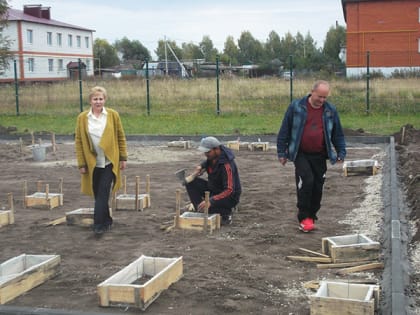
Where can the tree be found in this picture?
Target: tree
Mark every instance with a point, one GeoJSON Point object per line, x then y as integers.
{"type": "Point", "coordinates": [230, 52]}
{"type": "Point", "coordinates": [250, 49]}
{"type": "Point", "coordinates": [160, 50]}
{"type": "Point", "coordinates": [132, 51]}
{"type": "Point", "coordinates": [273, 46]}
{"type": "Point", "coordinates": [105, 54]}
{"type": "Point", "coordinates": [191, 51]}
{"type": "Point", "coordinates": [208, 50]}
{"type": "Point", "coordinates": [334, 41]}
{"type": "Point", "coordinates": [5, 41]}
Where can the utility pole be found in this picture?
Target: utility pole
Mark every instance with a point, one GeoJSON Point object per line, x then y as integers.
{"type": "Point", "coordinates": [166, 57]}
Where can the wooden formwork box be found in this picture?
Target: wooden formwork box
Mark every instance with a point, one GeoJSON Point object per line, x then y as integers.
{"type": "Point", "coordinates": [134, 201]}
{"type": "Point", "coordinates": [337, 298]}
{"type": "Point", "coordinates": [22, 273]}
{"type": "Point", "coordinates": [43, 199]}
{"type": "Point", "coordinates": [349, 248]}
{"type": "Point", "coordinates": [237, 145]}
{"type": "Point", "coordinates": [184, 144]}
{"type": "Point", "coordinates": [82, 217]}
{"type": "Point", "coordinates": [7, 216]}
{"type": "Point", "coordinates": [361, 167]}
{"type": "Point", "coordinates": [121, 288]}
{"type": "Point", "coordinates": [258, 146]}
{"type": "Point", "coordinates": [196, 221]}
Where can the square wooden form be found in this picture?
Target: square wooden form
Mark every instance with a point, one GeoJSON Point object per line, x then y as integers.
{"type": "Point", "coordinates": [195, 221]}
{"type": "Point", "coordinates": [121, 288]}
{"type": "Point", "coordinates": [43, 199]}
{"type": "Point", "coordinates": [183, 144]}
{"type": "Point", "coordinates": [7, 216]}
{"type": "Point", "coordinates": [361, 167]}
{"type": "Point", "coordinates": [22, 273]}
{"type": "Point", "coordinates": [237, 145]}
{"type": "Point", "coordinates": [336, 298]}
{"type": "Point", "coordinates": [349, 248]}
{"type": "Point", "coordinates": [134, 201]}
{"type": "Point", "coordinates": [82, 217]}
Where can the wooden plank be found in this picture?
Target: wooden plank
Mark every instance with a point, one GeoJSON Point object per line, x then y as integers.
{"type": "Point", "coordinates": [55, 222]}
{"type": "Point", "coordinates": [341, 265]}
{"type": "Point", "coordinates": [313, 253]}
{"type": "Point", "coordinates": [376, 265]}
{"type": "Point", "coordinates": [309, 259]}
{"type": "Point", "coordinates": [332, 306]}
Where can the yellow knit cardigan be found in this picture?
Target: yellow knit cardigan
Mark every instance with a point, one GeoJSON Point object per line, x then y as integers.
{"type": "Point", "coordinates": [113, 143]}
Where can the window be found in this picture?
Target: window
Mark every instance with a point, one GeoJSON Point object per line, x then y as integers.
{"type": "Point", "coordinates": [49, 38]}
{"type": "Point", "coordinates": [87, 42]}
{"type": "Point", "coordinates": [30, 36]}
{"type": "Point", "coordinates": [31, 64]}
{"type": "Point", "coordinates": [59, 39]}
{"type": "Point", "coordinates": [50, 65]}
{"type": "Point", "coordinates": [70, 40]}
{"type": "Point", "coordinates": [60, 65]}
{"type": "Point", "coordinates": [87, 64]}
{"type": "Point", "coordinates": [78, 41]}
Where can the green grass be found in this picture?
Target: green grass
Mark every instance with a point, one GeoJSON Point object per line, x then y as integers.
{"type": "Point", "coordinates": [188, 107]}
{"type": "Point", "coordinates": [205, 124]}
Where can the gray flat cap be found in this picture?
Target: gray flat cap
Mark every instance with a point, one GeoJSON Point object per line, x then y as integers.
{"type": "Point", "coordinates": [208, 143]}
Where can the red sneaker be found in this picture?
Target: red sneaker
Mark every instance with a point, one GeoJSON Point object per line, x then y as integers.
{"type": "Point", "coordinates": [306, 225]}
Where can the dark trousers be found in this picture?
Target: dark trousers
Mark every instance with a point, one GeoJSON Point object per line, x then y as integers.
{"type": "Point", "coordinates": [102, 181]}
{"type": "Point", "coordinates": [196, 191]}
{"type": "Point", "coordinates": [310, 172]}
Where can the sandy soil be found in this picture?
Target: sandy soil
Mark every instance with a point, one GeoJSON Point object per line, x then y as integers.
{"type": "Point", "coordinates": [241, 269]}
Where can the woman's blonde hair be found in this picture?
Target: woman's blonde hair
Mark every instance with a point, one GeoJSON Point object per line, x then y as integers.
{"type": "Point", "coordinates": [96, 90]}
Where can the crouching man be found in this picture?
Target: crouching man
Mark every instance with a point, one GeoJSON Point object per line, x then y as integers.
{"type": "Point", "coordinates": [223, 180]}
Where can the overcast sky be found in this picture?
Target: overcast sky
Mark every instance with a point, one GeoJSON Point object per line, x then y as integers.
{"type": "Point", "coordinates": [189, 20]}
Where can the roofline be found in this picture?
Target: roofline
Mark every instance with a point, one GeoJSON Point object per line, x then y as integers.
{"type": "Point", "coordinates": [18, 15]}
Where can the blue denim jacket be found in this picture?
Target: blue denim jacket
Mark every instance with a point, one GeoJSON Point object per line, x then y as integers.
{"type": "Point", "coordinates": [291, 130]}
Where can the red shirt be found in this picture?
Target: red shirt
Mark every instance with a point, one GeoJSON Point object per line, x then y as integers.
{"type": "Point", "coordinates": [313, 132]}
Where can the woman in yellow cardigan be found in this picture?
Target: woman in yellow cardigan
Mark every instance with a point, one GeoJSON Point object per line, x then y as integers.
{"type": "Point", "coordinates": [101, 152]}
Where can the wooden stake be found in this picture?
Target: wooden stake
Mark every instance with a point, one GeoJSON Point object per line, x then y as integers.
{"type": "Point", "coordinates": [54, 145]}
{"type": "Point", "coordinates": [124, 183]}
{"type": "Point", "coordinates": [137, 193]}
{"type": "Point", "coordinates": [12, 208]}
{"type": "Point", "coordinates": [32, 138]}
{"type": "Point", "coordinates": [25, 190]}
{"type": "Point", "coordinates": [206, 210]}
{"type": "Point", "coordinates": [39, 186]}
{"type": "Point", "coordinates": [177, 207]}
{"type": "Point", "coordinates": [149, 203]}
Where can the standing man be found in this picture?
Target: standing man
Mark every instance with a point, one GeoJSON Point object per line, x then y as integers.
{"type": "Point", "coordinates": [310, 134]}
{"type": "Point", "coordinates": [223, 180]}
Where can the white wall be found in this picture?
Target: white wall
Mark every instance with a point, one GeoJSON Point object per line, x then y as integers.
{"type": "Point", "coordinates": [41, 51]}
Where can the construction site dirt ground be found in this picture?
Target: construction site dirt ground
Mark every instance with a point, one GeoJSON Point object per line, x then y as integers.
{"type": "Point", "coordinates": [241, 269]}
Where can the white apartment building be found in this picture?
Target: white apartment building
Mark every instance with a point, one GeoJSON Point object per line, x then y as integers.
{"type": "Point", "coordinates": [45, 49]}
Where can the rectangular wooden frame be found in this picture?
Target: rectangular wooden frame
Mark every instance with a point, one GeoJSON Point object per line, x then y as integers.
{"type": "Point", "coordinates": [24, 272]}
{"type": "Point", "coordinates": [195, 221]}
{"type": "Point", "coordinates": [7, 216]}
{"type": "Point", "coordinates": [344, 298]}
{"type": "Point", "coordinates": [120, 288]}
{"type": "Point", "coordinates": [352, 247]}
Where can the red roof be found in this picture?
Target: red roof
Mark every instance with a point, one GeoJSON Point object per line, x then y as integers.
{"type": "Point", "coordinates": [18, 15]}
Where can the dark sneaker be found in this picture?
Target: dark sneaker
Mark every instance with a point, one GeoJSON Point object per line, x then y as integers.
{"type": "Point", "coordinates": [226, 220]}
{"type": "Point", "coordinates": [306, 225]}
